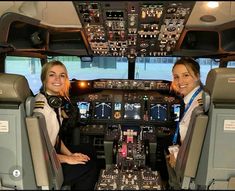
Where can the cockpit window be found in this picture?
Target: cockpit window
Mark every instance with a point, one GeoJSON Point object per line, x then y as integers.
{"type": "Point", "coordinates": [231, 64]}
{"type": "Point", "coordinates": [159, 68]}
{"type": "Point", "coordinates": [155, 68]}
{"type": "Point", "coordinates": [98, 67]}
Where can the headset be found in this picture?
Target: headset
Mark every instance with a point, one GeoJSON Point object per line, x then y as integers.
{"type": "Point", "coordinates": [53, 101]}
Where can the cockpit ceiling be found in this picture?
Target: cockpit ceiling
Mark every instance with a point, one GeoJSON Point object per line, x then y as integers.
{"type": "Point", "coordinates": [120, 28]}
{"type": "Point", "coordinates": [139, 28]}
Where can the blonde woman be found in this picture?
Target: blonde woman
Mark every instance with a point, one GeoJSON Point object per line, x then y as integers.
{"type": "Point", "coordinates": [78, 164]}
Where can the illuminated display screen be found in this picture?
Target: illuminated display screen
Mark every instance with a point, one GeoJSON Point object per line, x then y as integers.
{"type": "Point", "coordinates": [117, 106]}
{"type": "Point", "coordinates": [158, 112]}
{"type": "Point", "coordinates": [83, 109]}
{"type": "Point", "coordinates": [176, 112]}
{"type": "Point", "coordinates": [103, 110]}
{"type": "Point", "coordinates": [132, 110]}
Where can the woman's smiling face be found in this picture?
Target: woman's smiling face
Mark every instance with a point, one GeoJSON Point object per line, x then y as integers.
{"type": "Point", "coordinates": [184, 79]}
{"type": "Point", "coordinates": [55, 80]}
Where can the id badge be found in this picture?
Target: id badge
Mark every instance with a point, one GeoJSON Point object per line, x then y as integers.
{"type": "Point", "coordinates": [174, 149]}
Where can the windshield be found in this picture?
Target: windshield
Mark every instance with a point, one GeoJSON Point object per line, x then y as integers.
{"type": "Point", "coordinates": [155, 68]}
{"type": "Point", "coordinates": [99, 67]}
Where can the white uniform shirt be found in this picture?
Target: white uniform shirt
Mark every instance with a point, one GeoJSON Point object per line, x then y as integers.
{"type": "Point", "coordinates": [184, 123]}
{"type": "Point", "coordinates": [41, 105]}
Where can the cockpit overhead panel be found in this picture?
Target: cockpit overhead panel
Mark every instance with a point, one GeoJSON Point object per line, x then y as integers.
{"type": "Point", "coordinates": [139, 28]}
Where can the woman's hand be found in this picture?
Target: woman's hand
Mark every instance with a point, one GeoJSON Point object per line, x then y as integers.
{"type": "Point", "coordinates": [74, 158]}
{"type": "Point", "coordinates": [71, 158]}
{"type": "Point", "coordinates": [85, 157]}
{"type": "Point", "coordinates": [171, 160]}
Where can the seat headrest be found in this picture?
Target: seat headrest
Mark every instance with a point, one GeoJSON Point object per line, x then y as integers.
{"type": "Point", "coordinates": [220, 84]}
{"type": "Point", "coordinates": [13, 88]}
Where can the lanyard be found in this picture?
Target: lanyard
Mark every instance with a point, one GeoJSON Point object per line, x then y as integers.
{"type": "Point", "coordinates": [185, 110]}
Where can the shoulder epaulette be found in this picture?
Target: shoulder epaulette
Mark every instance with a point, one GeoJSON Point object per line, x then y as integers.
{"type": "Point", "coordinates": [199, 101]}
{"type": "Point", "coordinates": [39, 104]}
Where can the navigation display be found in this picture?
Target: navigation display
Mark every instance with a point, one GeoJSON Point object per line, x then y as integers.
{"type": "Point", "coordinates": [103, 110]}
{"type": "Point", "coordinates": [176, 112]}
{"type": "Point", "coordinates": [117, 106]}
{"type": "Point", "coordinates": [83, 109]}
{"type": "Point", "coordinates": [158, 112]}
{"type": "Point", "coordinates": [132, 111]}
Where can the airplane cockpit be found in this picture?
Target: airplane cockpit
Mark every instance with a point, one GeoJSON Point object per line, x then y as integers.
{"type": "Point", "coordinates": [119, 55]}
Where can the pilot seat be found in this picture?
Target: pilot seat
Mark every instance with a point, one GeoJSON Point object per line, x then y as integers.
{"type": "Point", "coordinates": [28, 160]}
{"type": "Point", "coordinates": [206, 157]}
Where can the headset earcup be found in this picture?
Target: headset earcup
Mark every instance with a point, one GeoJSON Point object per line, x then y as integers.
{"type": "Point", "coordinates": [54, 101]}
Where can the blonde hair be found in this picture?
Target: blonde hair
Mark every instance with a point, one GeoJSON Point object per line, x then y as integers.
{"type": "Point", "coordinates": [46, 67]}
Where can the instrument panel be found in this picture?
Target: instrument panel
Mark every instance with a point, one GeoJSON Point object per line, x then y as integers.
{"type": "Point", "coordinates": [121, 101]}
{"type": "Point", "coordinates": [133, 84]}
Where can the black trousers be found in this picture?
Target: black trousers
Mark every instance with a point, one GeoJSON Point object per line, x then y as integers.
{"type": "Point", "coordinates": [81, 176]}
